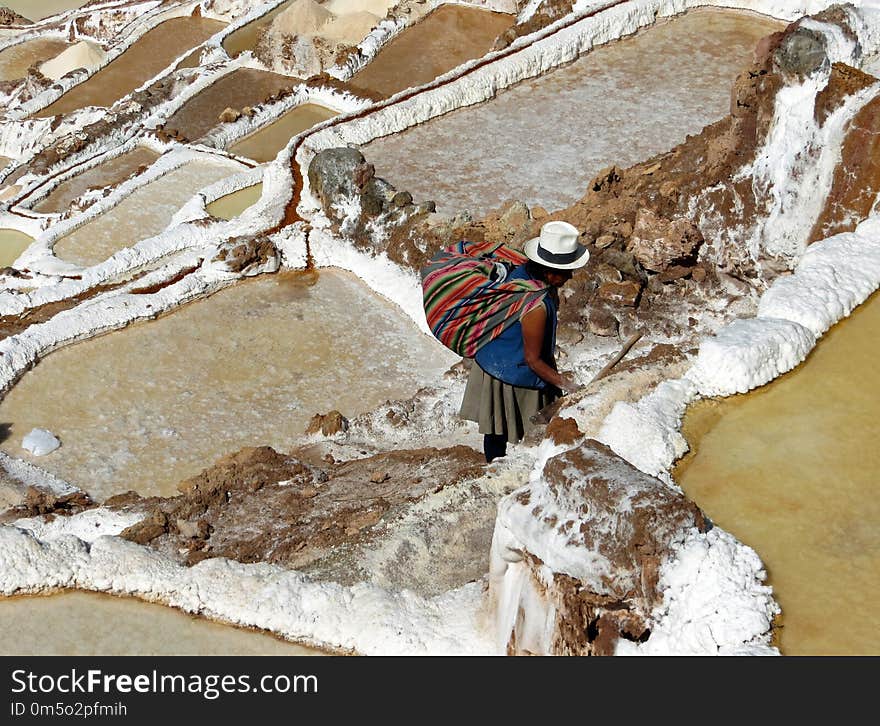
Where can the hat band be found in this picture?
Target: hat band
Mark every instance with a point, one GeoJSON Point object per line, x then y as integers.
{"type": "Point", "coordinates": [559, 258]}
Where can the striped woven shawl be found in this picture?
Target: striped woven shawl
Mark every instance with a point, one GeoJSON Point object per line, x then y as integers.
{"type": "Point", "coordinates": [464, 306]}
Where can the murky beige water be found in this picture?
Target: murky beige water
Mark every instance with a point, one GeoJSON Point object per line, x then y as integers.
{"type": "Point", "coordinates": [110, 172]}
{"type": "Point", "coordinates": [264, 144]}
{"type": "Point", "coordinates": [144, 213]}
{"type": "Point", "coordinates": [544, 139]}
{"type": "Point", "coordinates": [85, 623]}
{"type": "Point", "coordinates": [146, 407]}
{"type": "Point", "coordinates": [246, 38]}
{"type": "Point", "coordinates": [232, 205]}
{"type": "Point", "coordinates": [15, 61]}
{"type": "Point", "coordinates": [39, 9]}
{"type": "Point", "coordinates": [446, 38]}
{"type": "Point", "coordinates": [12, 244]}
{"type": "Point", "coordinates": [791, 469]}
{"type": "Point", "coordinates": [243, 87]}
{"type": "Point", "coordinates": [148, 55]}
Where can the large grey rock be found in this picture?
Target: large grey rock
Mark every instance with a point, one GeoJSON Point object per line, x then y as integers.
{"type": "Point", "coordinates": [801, 53]}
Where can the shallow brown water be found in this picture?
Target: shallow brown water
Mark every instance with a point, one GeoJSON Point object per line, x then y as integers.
{"type": "Point", "coordinates": [110, 172]}
{"type": "Point", "coordinates": [446, 38]}
{"type": "Point", "coordinates": [243, 87]}
{"type": "Point", "coordinates": [152, 52]}
{"type": "Point", "coordinates": [791, 469]}
{"type": "Point", "coordinates": [263, 145]}
{"type": "Point", "coordinates": [39, 9]}
{"type": "Point", "coordinates": [87, 623]}
{"type": "Point", "coordinates": [12, 244]}
{"type": "Point", "coordinates": [231, 205]}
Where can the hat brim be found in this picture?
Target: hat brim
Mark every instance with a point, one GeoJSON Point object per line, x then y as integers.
{"type": "Point", "coordinates": [579, 257]}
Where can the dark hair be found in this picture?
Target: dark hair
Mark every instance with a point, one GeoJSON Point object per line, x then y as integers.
{"type": "Point", "coordinates": [537, 270]}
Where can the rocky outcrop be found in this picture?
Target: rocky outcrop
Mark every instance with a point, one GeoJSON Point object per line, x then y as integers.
{"type": "Point", "coordinates": [363, 207]}
{"type": "Point", "coordinates": [576, 555]}
{"type": "Point", "coordinates": [658, 243]}
{"type": "Point", "coordinates": [10, 17]}
{"type": "Point", "coordinates": [249, 255]}
{"type": "Point", "coordinates": [259, 505]}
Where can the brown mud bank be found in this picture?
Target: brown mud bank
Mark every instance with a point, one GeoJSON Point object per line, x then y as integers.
{"type": "Point", "coordinates": [320, 516]}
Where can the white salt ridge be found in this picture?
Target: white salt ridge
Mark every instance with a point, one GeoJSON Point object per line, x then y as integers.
{"type": "Point", "coordinates": [832, 277]}
{"type": "Point", "coordinates": [362, 618]}
{"type": "Point", "coordinates": [30, 475]}
{"type": "Point", "coordinates": [40, 442]}
{"type": "Point", "coordinates": [749, 353]}
{"type": "Point", "coordinates": [646, 433]}
{"type": "Point", "coordinates": [713, 602]}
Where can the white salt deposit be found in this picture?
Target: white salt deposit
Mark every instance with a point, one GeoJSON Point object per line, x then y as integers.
{"type": "Point", "coordinates": [350, 28]}
{"type": "Point", "coordinates": [82, 55]}
{"type": "Point", "coordinates": [301, 17]}
{"type": "Point", "coordinates": [40, 442]}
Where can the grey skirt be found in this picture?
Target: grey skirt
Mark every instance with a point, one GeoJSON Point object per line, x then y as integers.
{"type": "Point", "coordinates": [500, 408]}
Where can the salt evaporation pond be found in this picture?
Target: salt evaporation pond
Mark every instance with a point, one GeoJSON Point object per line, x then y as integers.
{"type": "Point", "coordinates": [265, 144]}
{"type": "Point", "coordinates": [38, 9]}
{"type": "Point", "coordinates": [231, 205]}
{"type": "Point", "coordinates": [243, 87]}
{"type": "Point", "coordinates": [444, 39]}
{"type": "Point", "coordinates": [12, 244]}
{"type": "Point", "coordinates": [791, 470]}
{"type": "Point", "coordinates": [105, 174]}
{"type": "Point", "coordinates": [544, 139]}
{"type": "Point", "coordinates": [149, 406]}
{"type": "Point", "coordinates": [144, 213]}
{"type": "Point", "coordinates": [15, 60]}
{"type": "Point", "coordinates": [148, 55]}
{"type": "Point", "coordinates": [85, 623]}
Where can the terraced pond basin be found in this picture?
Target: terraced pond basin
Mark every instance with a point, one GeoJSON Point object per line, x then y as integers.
{"type": "Point", "coordinates": [149, 406]}
{"type": "Point", "coordinates": [86, 623]}
{"type": "Point", "coordinates": [243, 87]}
{"type": "Point", "coordinates": [544, 139]}
{"type": "Point", "coordinates": [446, 38]}
{"type": "Point", "coordinates": [148, 55]}
{"type": "Point", "coordinates": [105, 174]}
{"type": "Point", "coordinates": [12, 244]}
{"type": "Point", "coordinates": [38, 9]}
{"type": "Point", "coordinates": [144, 213]}
{"type": "Point", "coordinates": [264, 145]}
{"type": "Point", "coordinates": [791, 470]}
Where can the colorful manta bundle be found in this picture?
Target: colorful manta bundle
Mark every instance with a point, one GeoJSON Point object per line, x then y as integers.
{"type": "Point", "coordinates": [468, 300]}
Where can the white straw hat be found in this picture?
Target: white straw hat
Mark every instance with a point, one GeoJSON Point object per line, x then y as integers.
{"type": "Point", "coordinates": [557, 247]}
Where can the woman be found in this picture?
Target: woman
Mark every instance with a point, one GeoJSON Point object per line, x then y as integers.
{"type": "Point", "coordinates": [515, 375]}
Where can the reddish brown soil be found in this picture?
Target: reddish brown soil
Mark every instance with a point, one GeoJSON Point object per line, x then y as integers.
{"type": "Point", "coordinates": [857, 177]}
{"type": "Point", "coordinates": [260, 505]}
